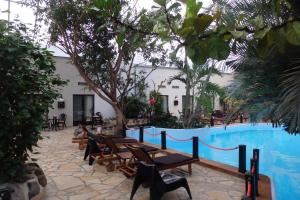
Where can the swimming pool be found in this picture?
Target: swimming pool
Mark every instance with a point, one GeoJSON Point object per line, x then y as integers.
{"type": "Point", "coordinates": [279, 151]}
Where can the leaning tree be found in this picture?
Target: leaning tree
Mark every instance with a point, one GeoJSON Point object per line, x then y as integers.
{"type": "Point", "coordinates": [103, 38]}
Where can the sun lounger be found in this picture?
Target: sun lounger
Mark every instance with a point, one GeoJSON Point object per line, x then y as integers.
{"type": "Point", "coordinates": [123, 155]}
{"type": "Point", "coordinates": [163, 162]}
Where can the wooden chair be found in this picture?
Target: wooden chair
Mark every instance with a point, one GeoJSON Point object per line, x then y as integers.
{"type": "Point", "coordinates": [159, 183]}
{"type": "Point", "coordinates": [124, 154]}
{"type": "Point", "coordinates": [95, 151]}
{"type": "Point", "coordinates": [163, 162]}
{"type": "Point", "coordinates": [62, 120]}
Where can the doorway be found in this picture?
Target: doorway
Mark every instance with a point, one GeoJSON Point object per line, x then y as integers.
{"type": "Point", "coordinates": [83, 108]}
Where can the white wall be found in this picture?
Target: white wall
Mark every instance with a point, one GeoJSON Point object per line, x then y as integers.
{"type": "Point", "coordinates": [222, 81]}
{"type": "Point", "coordinates": [67, 71]}
{"type": "Point", "coordinates": [103, 107]}
{"type": "Point", "coordinates": [164, 74]}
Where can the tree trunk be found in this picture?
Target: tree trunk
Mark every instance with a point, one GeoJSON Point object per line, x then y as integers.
{"type": "Point", "coordinates": [120, 119]}
{"type": "Point", "coordinates": [187, 94]}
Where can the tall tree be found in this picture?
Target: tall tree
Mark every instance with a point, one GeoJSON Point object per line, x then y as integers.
{"type": "Point", "coordinates": [201, 88]}
{"type": "Point", "coordinates": [103, 38]}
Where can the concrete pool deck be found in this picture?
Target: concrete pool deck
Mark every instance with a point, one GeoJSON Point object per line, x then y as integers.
{"type": "Point", "coordinates": [71, 178]}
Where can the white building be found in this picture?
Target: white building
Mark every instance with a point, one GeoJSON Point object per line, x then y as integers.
{"type": "Point", "coordinates": [80, 102]}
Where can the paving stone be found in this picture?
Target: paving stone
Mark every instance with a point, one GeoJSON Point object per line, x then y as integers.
{"type": "Point", "coordinates": [218, 195]}
{"type": "Point", "coordinates": [64, 182]}
{"type": "Point", "coordinates": [71, 178]}
{"type": "Point", "coordinates": [83, 196]}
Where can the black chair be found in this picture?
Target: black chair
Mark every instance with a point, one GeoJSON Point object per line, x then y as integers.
{"type": "Point", "coordinates": [159, 183]}
{"type": "Point", "coordinates": [92, 150]}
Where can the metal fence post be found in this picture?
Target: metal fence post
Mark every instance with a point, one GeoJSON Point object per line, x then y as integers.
{"type": "Point", "coordinates": [141, 138]}
{"type": "Point", "coordinates": [242, 158]}
{"type": "Point", "coordinates": [163, 140]}
{"type": "Point", "coordinates": [253, 170]}
{"type": "Point", "coordinates": [124, 130]}
{"type": "Point", "coordinates": [256, 157]}
{"type": "Point", "coordinates": [195, 147]}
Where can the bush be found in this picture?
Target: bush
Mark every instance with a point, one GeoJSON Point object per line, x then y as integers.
{"type": "Point", "coordinates": [165, 120]}
{"type": "Point", "coordinates": [26, 93]}
{"type": "Point", "coordinates": [134, 108]}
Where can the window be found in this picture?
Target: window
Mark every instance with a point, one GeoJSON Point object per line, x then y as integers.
{"type": "Point", "coordinates": [82, 83]}
{"type": "Point", "coordinates": [164, 103]}
{"type": "Point", "coordinates": [161, 86]}
{"type": "Point", "coordinates": [83, 108]}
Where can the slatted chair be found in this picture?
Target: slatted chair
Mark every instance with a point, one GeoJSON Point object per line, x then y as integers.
{"type": "Point", "coordinates": [169, 161]}
{"type": "Point", "coordinates": [159, 183]}
{"type": "Point", "coordinates": [94, 150]}
{"type": "Point", "coordinates": [124, 154]}
{"type": "Point", "coordinates": [62, 120]}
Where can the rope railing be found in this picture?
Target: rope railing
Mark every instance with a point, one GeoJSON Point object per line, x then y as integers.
{"type": "Point", "coordinates": [179, 140]}
{"type": "Point", "coordinates": [131, 129]}
{"type": "Point", "coordinates": [186, 140]}
{"type": "Point", "coordinates": [217, 148]}
{"type": "Point", "coordinates": [195, 145]}
{"type": "Point", "coordinates": [151, 134]}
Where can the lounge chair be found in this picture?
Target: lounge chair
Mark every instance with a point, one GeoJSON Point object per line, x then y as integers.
{"type": "Point", "coordinates": [94, 150]}
{"type": "Point", "coordinates": [163, 162]}
{"type": "Point", "coordinates": [124, 154]}
{"type": "Point", "coordinates": [159, 183]}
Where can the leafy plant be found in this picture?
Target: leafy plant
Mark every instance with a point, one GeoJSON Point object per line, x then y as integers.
{"type": "Point", "coordinates": [165, 120]}
{"type": "Point", "coordinates": [134, 108]}
{"type": "Point", "coordinates": [27, 90]}
{"type": "Point", "coordinates": [202, 90]}
{"type": "Point", "coordinates": [103, 39]}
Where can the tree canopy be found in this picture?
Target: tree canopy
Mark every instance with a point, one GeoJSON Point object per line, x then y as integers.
{"type": "Point", "coordinates": [101, 36]}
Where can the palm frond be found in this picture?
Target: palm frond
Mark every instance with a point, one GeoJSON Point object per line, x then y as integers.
{"type": "Point", "coordinates": [289, 106]}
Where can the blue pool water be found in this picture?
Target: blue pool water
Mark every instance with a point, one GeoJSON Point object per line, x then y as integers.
{"type": "Point", "coordinates": [279, 151]}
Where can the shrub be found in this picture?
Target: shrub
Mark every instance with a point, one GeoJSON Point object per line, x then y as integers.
{"type": "Point", "coordinates": [26, 92]}
{"type": "Point", "coordinates": [134, 108]}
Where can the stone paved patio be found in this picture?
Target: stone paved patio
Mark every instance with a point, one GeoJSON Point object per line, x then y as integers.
{"type": "Point", "coordinates": [71, 178]}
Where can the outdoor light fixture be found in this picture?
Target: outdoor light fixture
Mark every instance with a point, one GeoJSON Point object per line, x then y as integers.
{"type": "Point", "coordinates": [176, 101]}
{"type": "Point", "coordinates": [60, 103]}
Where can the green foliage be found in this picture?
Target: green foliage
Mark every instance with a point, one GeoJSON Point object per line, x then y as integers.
{"type": "Point", "coordinates": [288, 109]}
{"type": "Point", "coordinates": [26, 92]}
{"type": "Point", "coordinates": [134, 107]}
{"type": "Point", "coordinates": [165, 120]}
{"type": "Point", "coordinates": [195, 32]}
{"type": "Point", "coordinates": [103, 38]}
{"type": "Point", "coordinates": [160, 118]}
{"type": "Point", "coordinates": [206, 104]}
{"type": "Point", "coordinates": [265, 84]}
{"type": "Point", "coordinates": [157, 107]}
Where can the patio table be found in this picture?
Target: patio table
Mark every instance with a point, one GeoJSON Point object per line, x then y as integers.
{"type": "Point", "coordinates": [54, 123]}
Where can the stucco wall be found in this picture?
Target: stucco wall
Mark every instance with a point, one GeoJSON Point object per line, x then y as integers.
{"type": "Point", "coordinates": [67, 71]}
{"type": "Point", "coordinates": [222, 81]}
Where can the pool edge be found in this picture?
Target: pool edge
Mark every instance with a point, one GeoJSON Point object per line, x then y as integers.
{"type": "Point", "coordinates": [264, 184]}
